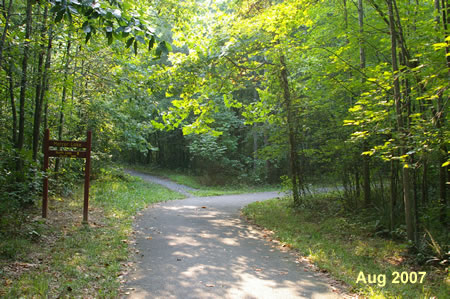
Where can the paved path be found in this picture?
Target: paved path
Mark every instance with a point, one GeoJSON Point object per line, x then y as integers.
{"type": "Point", "coordinates": [165, 182]}
{"type": "Point", "coordinates": [201, 248]}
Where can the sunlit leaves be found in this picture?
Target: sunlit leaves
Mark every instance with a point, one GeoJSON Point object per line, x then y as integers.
{"type": "Point", "coordinates": [109, 19]}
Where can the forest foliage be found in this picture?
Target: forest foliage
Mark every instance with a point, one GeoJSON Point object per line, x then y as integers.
{"type": "Point", "coordinates": [347, 92]}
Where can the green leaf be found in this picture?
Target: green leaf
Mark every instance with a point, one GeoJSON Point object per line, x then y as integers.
{"type": "Point", "coordinates": [130, 42]}
{"type": "Point", "coordinates": [59, 16]}
{"type": "Point", "coordinates": [168, 46]}
{"type": "Point", "coordinates": [88, 37]}
{"type": "Point", "coordinates": [151, 43]}
{"type": "Point", "coordinates": [109, 35]}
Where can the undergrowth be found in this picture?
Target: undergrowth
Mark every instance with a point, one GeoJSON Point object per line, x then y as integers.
{"type": "Point", "coordinates": [59, 257]}
{"type": "Point", "coordinates": [345, 246]}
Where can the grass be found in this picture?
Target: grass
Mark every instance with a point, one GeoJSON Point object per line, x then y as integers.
{"type": "Point", "coordinates": [59, 257]}
{"type": "Point", "coordinates": [202, 189]}
{"type": "Point", "coordinates": [345, 247]}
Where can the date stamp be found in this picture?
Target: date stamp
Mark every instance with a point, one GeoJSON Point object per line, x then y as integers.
{"type": "Point", "coordinates": [396, 278]}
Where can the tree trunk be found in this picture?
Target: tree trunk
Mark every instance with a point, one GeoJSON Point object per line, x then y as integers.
{"type": "Point", "coordinates": [407, 198]}
{"type": "Point", "coordinates": [13, 102]}
{"type": "Point", "coordinates": [23, 83]}
{"type": "Point", "coordinates": [39, 89]}
{"type": "Point", "coordinates": [291, 130]}
{"type": "Point", "coordinates": [393, 193]}
{"type": "Point", "coordinates": [445, 22]}
{"type": "Point", "coordinates": [255, 149]}
{"type": "Point", "coordinates": [63, 97]}
{"type": "Point", "coordinates": [5, 31]}
{"type": "Point", "coordinates": [362, 65]}
{"type": "Point", "coordinates": [357, 185]}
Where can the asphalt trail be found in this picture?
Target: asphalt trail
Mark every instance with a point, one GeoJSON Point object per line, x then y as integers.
{"type": "Point", "coordinates": [200, 247]}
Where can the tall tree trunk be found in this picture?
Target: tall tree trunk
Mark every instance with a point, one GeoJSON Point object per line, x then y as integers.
{"type": "Point", "coordinates": [357, 185]}
{"type": "Point", "coordinates": [23, 83]}
{"type": "Point", "coordinates": [48, 59]}
{"type": "Point", "coordinates": [13, 102]}
{"type": "Point", "coordinates": [5, 31]}
{"type": "Point", "coordinates": [393, 193]}
{"type": "Point", "coordinates": [63, 97]}
{"type": "Point", "coordinates": [362, 63]}
{"type": "Point", "coordinates": [345, 15]}
{"type": "Point", "coordinates": [291, 130]}
{"type": "Point", "coordinates": [255, 148]}
{"type": "Point", "coordinates": [445, 24]}
{"type": "Point", "coordinates": [407, 198]}
{"type": "Point", "coordinates": [39, 88]}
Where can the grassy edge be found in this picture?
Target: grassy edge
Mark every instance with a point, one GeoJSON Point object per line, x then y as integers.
{"type": "Point", "coordinates": [67, 259]}
{"type": "Point", "coordinates": [337, 245]}
{"type": "Point", "coordinates": [202, 190]}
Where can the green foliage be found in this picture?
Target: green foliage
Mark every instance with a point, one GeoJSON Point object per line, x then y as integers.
{"type": "Point", "coordinates": [83, 261]}
{"type": "Point", "coordinates": [17, 187]}
{"type": "Point", "coordinates": [343, 245]}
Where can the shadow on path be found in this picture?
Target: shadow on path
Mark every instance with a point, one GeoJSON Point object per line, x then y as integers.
{"type": "Point", "coordinates": [201, 248]}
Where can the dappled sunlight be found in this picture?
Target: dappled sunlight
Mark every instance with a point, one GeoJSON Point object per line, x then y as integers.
{"type": "Point", "coordinates": [229, 241]}
{"type": "Point", "coordinates": [182, 240]}
{"type": "Point", "coordinates": [201, 250]}
{"type": "Point", "coordinates": [200, 270]}
{"type": "Point", "coordinates": [172, 208]}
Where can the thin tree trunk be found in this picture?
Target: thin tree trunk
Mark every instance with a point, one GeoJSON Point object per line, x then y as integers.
{"type": "Point", "coordinates": [5, 31]}
{"type": "Point", "coordinates": [407, 199]}
{"type": "Point", "coordinates": [393, 193]}
{"type": "Point", "coordinates": [255, 149]}
{"type": "Point", "coordinates": [63, 97]}
{"type": "Point", "coordinates": [362, 64]}
{"type": "Point", "coordinates": [440, 116]}
{"type": "Point", "coordinates": [23, 83]}
{"type": "Point", "coordinates": [291, 131]}
{"type": "Point", "coordinates": [39, 88]}
{"type": "Point", "coordinates": [13, 102]}
{"type": "Point", "coordinates": [357, 184]}
{"type": "Point", "coordinates": [445, 22]}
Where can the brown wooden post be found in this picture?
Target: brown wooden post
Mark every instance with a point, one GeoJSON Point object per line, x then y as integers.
{"type": "Point", "coordinates": [87, 173]}
{"type": "Point", "coordinates": [45, 189]}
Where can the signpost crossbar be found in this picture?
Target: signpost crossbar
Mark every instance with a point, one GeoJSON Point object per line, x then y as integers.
{"type": "Point", "coordinates": [68, 154]}
{"type": "Point", "coordinates": [62, 143]}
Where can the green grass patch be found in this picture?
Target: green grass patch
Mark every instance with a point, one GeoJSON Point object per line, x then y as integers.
{"type": "Point", "coordinates": [202, 189]}
{"type": "Point", "coordinates": [228, 190]}
{"type": "Point", "coordinates": [345, 248]}
{"type": "Point", "coordinates": [65, 259]}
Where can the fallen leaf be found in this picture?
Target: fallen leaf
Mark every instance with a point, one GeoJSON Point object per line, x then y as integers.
{"type": "Point", "coordinates": [149, 238]}
{"type": "Point", "coordinates": [209, 285]}
{"type": "Point", "coordinates": [203, 207]}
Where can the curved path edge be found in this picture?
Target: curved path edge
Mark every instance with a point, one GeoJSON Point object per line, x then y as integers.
{"type": "Point", "coordinates": [162, 181]}
{"type": "Point", "coordinates": [201, 247]}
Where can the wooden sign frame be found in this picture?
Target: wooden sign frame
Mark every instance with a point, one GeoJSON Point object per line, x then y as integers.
{"type": "Point", "coordinates": [87, 145]}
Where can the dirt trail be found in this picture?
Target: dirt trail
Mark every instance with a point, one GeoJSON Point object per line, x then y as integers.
{"type": "Point", "coordinates": [202, 248]}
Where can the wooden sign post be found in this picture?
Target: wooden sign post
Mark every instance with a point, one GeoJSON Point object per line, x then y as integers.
{"type": "Point", "coordinates": [68, 154]}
